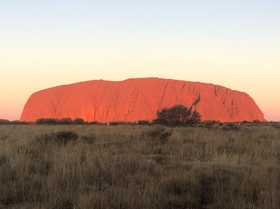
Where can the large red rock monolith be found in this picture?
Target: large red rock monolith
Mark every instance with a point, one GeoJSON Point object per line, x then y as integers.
{"type": "Point", "coordinates": [139, 99]}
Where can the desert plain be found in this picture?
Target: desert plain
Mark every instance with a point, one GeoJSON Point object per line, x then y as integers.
{"type": "Point", "coordinates": [219, 165]}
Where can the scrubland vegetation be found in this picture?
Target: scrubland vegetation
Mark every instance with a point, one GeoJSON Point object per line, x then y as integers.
{"type": "Point", "coordinates": [208, 166]}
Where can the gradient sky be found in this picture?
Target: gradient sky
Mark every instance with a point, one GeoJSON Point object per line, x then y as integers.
{"type": "Point", "coordinates": [233, 43]}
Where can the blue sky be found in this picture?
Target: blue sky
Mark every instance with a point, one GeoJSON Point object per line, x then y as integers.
{"type": "Point", "coordinates": [231, 43]}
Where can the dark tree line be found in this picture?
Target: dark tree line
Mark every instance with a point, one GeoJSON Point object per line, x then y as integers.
{"type": "Point", "coordinates": [52, 121]}
{"type": "Point", "coordinates": [176, 115]}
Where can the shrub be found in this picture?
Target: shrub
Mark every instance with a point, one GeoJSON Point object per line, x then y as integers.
{"type": "Point", "coordinates": [158, 134]}
{"type": "Point", "coordinates": [89, 139]}
{"type": "Point", "coordinates": [65, 121]}
{"type": "Point", "coordinates": [49, 121]}
{"type": "Point", "coordinates": [78, 121]}
{"type": "Point", "coordinates": [231, 126]}
{"type": "Point", "coordinates": [60, 137]}
{"type": "Point", "coordinates": [4, 121]}
{"type": "Point", "coordinates": [143, 122]}
{"type": "Point", "coordinates": [3, 159]}
{"type": "Point", "coordinates": [45, 139]}
{"type": "Point", "coordinates": [256, 121]}
{"type": "Point", "coordinates": [114, 123]}
{"type": "Point", "coordinates": [181, 192]}
{"type": "Point", "coordinates": [63, 137]}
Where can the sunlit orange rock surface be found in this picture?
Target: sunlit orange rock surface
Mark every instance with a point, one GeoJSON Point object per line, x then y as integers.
{"type": "Point", "coordinates": [139, 99]}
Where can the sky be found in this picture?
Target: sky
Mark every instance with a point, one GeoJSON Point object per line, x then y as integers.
{"type": "Point", "coordinates": [233, 43]}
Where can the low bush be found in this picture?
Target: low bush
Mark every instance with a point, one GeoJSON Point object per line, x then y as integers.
{"type": "Point", "coordinates": [4, 121]}
{"type": "Point", "coordinates": [158, 134]}
{"type": "Point", "coordinates": [60, 137]}
{"type": "Point", "coordinates": [48, 121]}
{"type": "Point", "coordinates": [78, 121]}
{"type": "Point", "coordinates": [143, 122]}
{"type": "Point", "coordinates": [89, 139]}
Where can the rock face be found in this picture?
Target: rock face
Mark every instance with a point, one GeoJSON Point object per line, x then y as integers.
{"type": "Point", "coordinates": [139, 99]}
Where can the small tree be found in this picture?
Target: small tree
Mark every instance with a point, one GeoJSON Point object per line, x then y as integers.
{"type": "Point", "coordinates": [78, 121]}
{"type": "Point", "coordinates": [195, 117]}
{"type": "Point", "coordinates": [177, 115]}
{"type": "Point", "coordinates": [65, 121]}
{"type": "Point", "coordinates": [4, 121]}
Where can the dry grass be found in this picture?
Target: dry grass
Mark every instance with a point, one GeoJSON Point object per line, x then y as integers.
{"type": "Point", "coordinates": [135, 167]}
